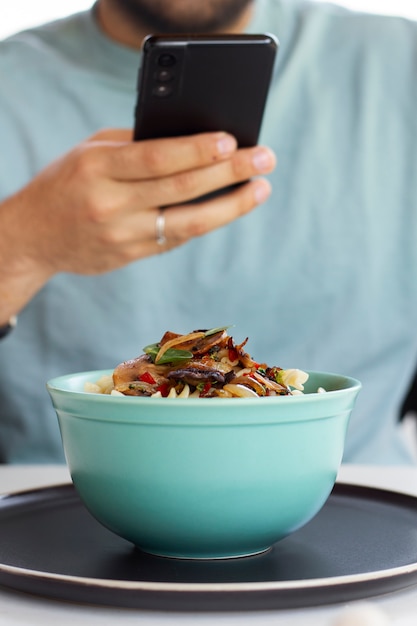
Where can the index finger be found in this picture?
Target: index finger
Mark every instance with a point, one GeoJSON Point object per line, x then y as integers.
{"type": "Point", "coordinates": [156, 158]}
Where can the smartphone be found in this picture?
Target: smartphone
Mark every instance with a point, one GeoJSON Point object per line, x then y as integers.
{"type": "Point", "coordinates": [201, 83]}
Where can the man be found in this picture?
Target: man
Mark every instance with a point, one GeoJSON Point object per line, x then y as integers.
{"type": "Point", "coordinates": [321, 277]}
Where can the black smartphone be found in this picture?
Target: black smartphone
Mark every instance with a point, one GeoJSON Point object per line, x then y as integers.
{"type": "Point", "coordinates": [199, 83]}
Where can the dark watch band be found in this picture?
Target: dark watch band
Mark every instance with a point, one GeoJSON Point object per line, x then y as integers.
{"type": "Point", "coordinates": [5, 330]}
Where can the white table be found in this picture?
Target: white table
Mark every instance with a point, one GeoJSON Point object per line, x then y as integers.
{"type": "Point", "coordinates": [18, 609]}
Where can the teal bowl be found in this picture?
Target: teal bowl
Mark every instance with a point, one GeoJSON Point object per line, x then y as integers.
{"type": "Point", "coordinates": [204, 478]}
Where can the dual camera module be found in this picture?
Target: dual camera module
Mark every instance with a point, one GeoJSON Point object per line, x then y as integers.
{"type": "Point", "coordinates": [164, 75]}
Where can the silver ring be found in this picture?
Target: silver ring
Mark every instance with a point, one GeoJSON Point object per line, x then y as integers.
{"type": "Point", "coordinates": [160, 229]}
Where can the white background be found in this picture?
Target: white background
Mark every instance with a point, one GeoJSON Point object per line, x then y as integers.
{"type": "Point", "coordinates": [19, 14]}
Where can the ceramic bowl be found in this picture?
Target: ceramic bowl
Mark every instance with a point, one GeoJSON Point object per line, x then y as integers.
{"type": "Point", "coordinates": [204, 478]}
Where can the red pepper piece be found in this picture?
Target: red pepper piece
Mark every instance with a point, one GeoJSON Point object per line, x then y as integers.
{"type": "Point", "coordinates": [205, 390]}
{"type": "Point", "coordinates": [163, 389]}
{"type": "Point", "coordinates": [146, 377]}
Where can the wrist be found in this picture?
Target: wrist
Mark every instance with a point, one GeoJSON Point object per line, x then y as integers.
{"type": "Point", "coordinates": [5, 329]}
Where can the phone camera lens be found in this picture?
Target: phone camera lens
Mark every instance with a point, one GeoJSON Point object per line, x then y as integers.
{"type": "Point", "coordinates": [162, 90]}
{"type": "Point", "coordinates": [166, 60]}
{"type": "Point", "coordinates": [164, 76]}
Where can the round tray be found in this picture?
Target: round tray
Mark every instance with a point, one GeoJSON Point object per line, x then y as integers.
{"type": "Point", "coordinates": [362, 543]}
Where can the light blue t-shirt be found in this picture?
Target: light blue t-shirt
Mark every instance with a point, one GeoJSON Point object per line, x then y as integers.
{"type": "Point", "coordinates": [322, 277]}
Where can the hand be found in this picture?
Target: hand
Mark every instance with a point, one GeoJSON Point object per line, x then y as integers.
{"type": "Point", "coordinates": [95, 209]}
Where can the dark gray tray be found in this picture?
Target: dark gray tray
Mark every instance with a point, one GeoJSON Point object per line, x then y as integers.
{"type": "Point", "coordinates": [362, 543]}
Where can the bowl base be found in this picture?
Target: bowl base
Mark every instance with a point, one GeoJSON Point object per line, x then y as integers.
{"type": "Point", "coordinates": [205, 557]}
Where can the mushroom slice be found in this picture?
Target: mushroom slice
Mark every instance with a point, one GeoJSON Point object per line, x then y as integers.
{"type": "Point", "coordinates": [136, 388]}
{"type": "Point", "coordinates": [252, 383]}
{"type": "Point", "coordinates": [134, 369]}
{"type": "Point", "coordinates": [208, 342]}
{"type": "Point", "coordinates": [197, 342]}
{"type": "Point", "coordinates": [197, 372]}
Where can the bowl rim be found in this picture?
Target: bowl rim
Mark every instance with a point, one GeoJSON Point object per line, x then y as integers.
{"type": "Point", "coordinates": [57, 385]}
{"type": "Point", "coordinates": [198, 412]}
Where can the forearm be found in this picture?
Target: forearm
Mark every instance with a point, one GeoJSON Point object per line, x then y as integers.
{"type": "Point", "coordinates": [21, 276]}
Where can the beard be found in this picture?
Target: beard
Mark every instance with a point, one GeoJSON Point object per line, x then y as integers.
{"type": "Point", "coordinates": [179, 16]}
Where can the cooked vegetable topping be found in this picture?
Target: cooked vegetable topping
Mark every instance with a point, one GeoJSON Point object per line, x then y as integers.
{"type": "Point", "coordinates": [204, 364]}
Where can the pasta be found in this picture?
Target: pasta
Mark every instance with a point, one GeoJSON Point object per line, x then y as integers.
{"type": "Point", "coordinates": [200, 364]}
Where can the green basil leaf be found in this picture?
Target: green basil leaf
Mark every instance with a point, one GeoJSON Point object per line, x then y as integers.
{"type": "Point", "coordinates": [152, 350]}
{"type": "Point", "coordinates": [172, 355]}
{"type": "Point", "coordinates": [213, 331]}
{"type": "Point", "coordinates": [175, 356]}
